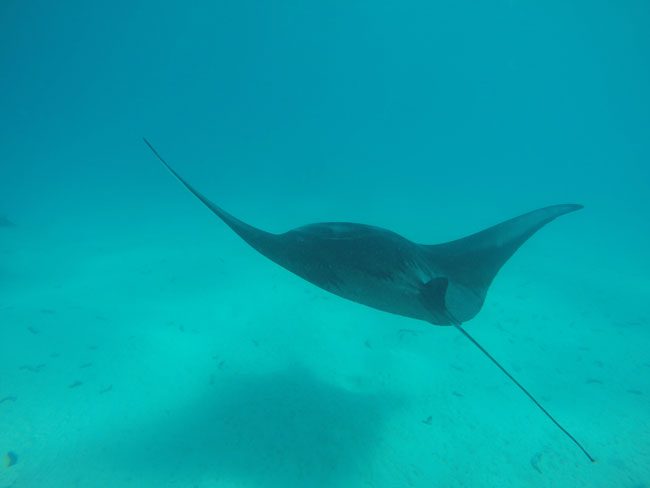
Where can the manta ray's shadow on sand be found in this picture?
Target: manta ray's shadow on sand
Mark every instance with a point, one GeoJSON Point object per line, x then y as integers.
{"type": "Point", "coordinates": [289, 428]}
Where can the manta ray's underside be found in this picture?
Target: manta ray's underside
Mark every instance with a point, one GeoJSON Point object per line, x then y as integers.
{"type": "Point", "coordinates": [443, 284]}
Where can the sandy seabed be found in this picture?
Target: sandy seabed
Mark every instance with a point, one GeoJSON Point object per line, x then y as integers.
{"type": "Point", "coordinates": [197, 363]}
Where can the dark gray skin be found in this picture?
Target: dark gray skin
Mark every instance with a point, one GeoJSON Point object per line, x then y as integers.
{"type": "Point", "coordinates": [443, 284]}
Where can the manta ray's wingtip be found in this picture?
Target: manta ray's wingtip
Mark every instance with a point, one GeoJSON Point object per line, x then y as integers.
{"type": "Point", "coordinates": [165, 163]}
{"type": "Point", "coordinates": [153, 150]}
{"type": "Point", "coordinates": [146, 141]}
{"type": "Point", "coordinates": [562, 209]}
{"type": "Point", "coordinates": [568, 207]}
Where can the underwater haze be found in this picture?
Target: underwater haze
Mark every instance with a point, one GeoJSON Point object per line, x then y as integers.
{"type": "Point", "coordinates": [144, 344]}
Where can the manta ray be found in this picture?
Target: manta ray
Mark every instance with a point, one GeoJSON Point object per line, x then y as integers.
{"type": "Point", "coordinates": [442, 284]}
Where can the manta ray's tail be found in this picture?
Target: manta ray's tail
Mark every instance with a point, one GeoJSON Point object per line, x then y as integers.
{"type": "Point", "coordinates": [527, 393]}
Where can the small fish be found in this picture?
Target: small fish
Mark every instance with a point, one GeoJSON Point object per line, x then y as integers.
{"type": "Point", "coordinates": [8, 399]}
{"type": "Point", "coordinates": [535, 460]}
{"type": "Point", "coordinates": [85, 365]}
{"type": "Point", "coordinates": [106, 390]}
{"type": "Point", "coordinates": [32, 368]}
{"type": "Point", "coordinates": [407, 332]}
{"type": "Point", "coordinates": [428, 420]}
{"type": "Point", "coordinates": [33, 330]}
{"type": "Point", "coordinates": [10, 458]}
{"type": "Point", "coordinates": [75, 384]}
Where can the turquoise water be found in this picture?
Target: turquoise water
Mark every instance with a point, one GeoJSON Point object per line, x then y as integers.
{"type": "Point", "coordinates": [143, 344]}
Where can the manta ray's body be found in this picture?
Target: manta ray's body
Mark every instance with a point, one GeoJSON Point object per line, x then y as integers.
{"type": "Point", "coordinates": [443, 284]}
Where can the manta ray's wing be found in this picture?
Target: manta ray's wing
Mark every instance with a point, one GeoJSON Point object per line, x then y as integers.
{"type": "Point", "coordinates": [259, 239]}
{"type": "Point", "coordinates": [471, 263]}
